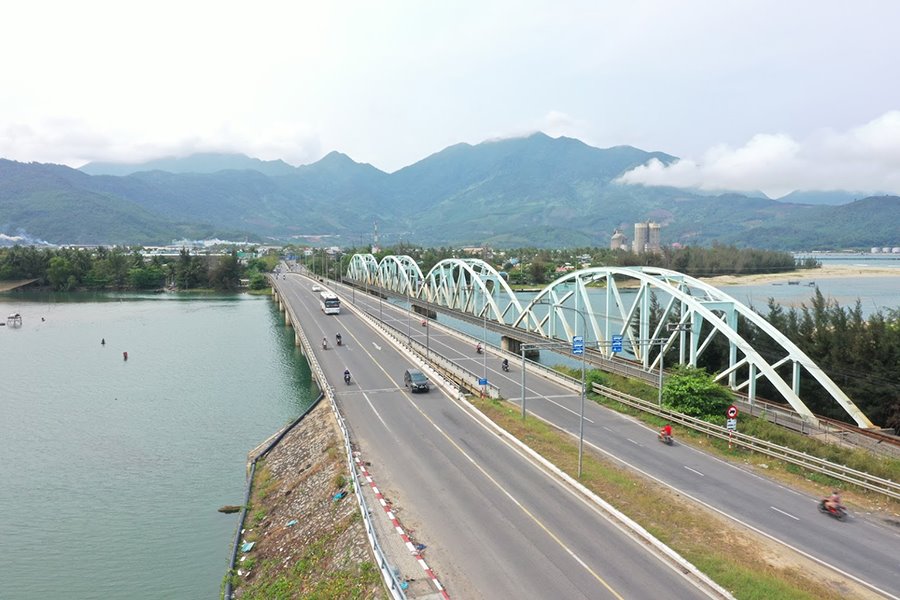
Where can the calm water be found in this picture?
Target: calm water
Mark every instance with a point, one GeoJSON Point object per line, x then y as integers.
{"type": "Point", "coordinates": [112, 471]}
{"type": "Point", "coordinates": [874, 293]}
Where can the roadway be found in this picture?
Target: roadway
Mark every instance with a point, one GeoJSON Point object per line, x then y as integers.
{"type": "Point", "coordinates": [864, 548]}
{"type": "Point", "coordinates": [496, 525]}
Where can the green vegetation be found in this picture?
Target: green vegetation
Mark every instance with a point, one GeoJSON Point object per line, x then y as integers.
{"type": "Point", "coordinates": [861, 355]}
{"type": "Point", "coordinates": [530, 266]}
{"type": "Point", "coordinates": [305, 581]}
{"type": "Point", "coordinates": [121, 268]}
{"type": "Point", "coordinates": [695, 393]}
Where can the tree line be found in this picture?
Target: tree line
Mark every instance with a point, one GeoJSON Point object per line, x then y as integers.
{"type": "Point", "coordinates": [122, 268]}
{"type": "Point", "coordinates": [537, 266]}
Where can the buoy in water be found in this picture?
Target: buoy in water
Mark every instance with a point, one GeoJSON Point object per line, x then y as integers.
{"type": "Point", "coordinates": [125, 356]}
{"type": "Point", "coordinates": [103, 342]}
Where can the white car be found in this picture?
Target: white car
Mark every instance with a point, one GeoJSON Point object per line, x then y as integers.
{"type": "Point", "coordinates": [317, 287]}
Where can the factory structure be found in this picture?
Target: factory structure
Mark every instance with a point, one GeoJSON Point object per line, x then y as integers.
{"type": "Point", "coordinates": [646, 239]}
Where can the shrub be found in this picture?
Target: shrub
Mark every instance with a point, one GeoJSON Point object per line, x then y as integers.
{"type": "Point", "coordinates": [694, 392]}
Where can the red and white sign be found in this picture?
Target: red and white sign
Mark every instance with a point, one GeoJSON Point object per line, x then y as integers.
{"type": "Point", "coordinates": [732, 412]}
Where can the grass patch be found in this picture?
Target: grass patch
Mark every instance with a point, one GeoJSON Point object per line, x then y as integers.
{"type": "Point", "coordinates": [313, 576]}
{"type": "Point", "coordinates": [735, 561]}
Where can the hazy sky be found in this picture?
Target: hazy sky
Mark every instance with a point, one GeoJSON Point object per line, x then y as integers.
{"type": "Point", "coordinates": [770, 95]}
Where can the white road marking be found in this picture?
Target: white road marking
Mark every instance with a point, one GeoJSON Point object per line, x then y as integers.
{"type": "Point", "coordinates": [784, 513]}
{"type": "Point", "coordinates": [694, 471]}
{"type": "Point", "coordinates": [377, 347]}
{"type": "Point", "coordinates": [374, 410]}
{"type": "Point", "coordinates": [633, 442]}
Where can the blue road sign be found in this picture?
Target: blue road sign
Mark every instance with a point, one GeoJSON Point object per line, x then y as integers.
{"type": "Point", "coordinates": [617, 343]}
{"type": "Point", "coordinates": [578, 344]}
{"type": "Point", "coordinates": [482, 382]}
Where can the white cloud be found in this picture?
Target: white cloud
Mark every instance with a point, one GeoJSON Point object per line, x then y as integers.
{"type": "Point", "coordinates": [864, 158]}
{"type": "Point", "coordinates": [75, 142]}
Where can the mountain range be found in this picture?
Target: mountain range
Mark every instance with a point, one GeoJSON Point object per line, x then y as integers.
{"type": "Point", "coordinates": [530, 191]}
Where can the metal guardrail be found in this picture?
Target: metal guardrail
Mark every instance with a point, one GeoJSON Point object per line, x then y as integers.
{"type": "Point", "coordinates": [387, 573]}
{"type": "Point", "coordinates": [452, 371]}
{"type": "Point", "coordinates": [840, 472]}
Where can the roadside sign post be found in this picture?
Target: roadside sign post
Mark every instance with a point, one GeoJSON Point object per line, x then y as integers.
{"type": "Point", "coordinates": [578, 345]}
{"type": "Point", "coordinates": [616, 345]}
{"type": "Point", "coordinates": [731, 422]}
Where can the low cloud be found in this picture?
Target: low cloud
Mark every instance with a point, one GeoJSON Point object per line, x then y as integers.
{"type": "Point", "coordinates": [73, 142]}
{"type": "Point", "coordinates": [861, 159]}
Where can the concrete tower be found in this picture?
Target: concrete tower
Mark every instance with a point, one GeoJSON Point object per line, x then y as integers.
{"type": "Point", "coordinates": [639, 245]}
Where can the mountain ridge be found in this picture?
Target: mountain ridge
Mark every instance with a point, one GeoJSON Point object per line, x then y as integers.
{"type": "Point", "coordinates": [534, 190]}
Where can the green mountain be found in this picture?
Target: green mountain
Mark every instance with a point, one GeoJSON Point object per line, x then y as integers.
{"type": "Point", "coordinates": [196, 163]}
{"type": "Point", "coordinates": [534, 190]}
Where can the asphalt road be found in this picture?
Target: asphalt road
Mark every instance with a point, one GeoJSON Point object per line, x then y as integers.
{"type": "Point", "coordinates": [496, 526]}
{"type": "Point", "coordinates": [864, 548]}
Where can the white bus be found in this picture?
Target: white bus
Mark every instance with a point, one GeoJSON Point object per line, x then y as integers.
{"type": "Point", "coordinates": [329, 302]}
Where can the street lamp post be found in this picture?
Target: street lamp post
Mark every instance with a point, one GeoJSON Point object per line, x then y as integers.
{"type": "Point", "coordinates": [670, 327]}
{"type": "Point", "coordinates": [581, 417]}
{"type": "Point", "coordinates": [484, 342]}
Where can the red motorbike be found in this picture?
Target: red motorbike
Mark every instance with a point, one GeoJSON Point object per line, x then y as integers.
{"type": "Point", "coordinates": [838, 511]}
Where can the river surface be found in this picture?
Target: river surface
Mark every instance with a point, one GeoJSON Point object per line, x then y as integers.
{"type": "Point", "coordinates": [113, 470]}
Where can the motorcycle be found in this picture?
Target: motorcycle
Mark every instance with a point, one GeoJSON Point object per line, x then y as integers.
{"type": "Point", "coordinates": [505, 367]}
{"type": "Point", "coordinates": [838, 512]}
{"type": "Point", "coordinates": [324, 345]}
{"type": "Point", "coordinates": [665, 438]}
{"type": "Point", "coordinates": [338, 340]}
{"type": "Point", "coordinates": [479, 349]}
{"type": "Point", "coordinates": [347, 378]}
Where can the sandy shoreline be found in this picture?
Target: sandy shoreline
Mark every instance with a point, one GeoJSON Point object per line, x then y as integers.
{"type": "Point", "coordinates": [805, 276]}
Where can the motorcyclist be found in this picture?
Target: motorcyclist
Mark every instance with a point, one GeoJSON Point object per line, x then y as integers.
{"type": "Point", "coordinates": [478, 349]}
{"type": "Point", "coordinates": [347, 375]}
{"type": "Point", "coordinates": [505, 364]}
{"type": "Point", "coordinates": [666, 432]}
{"type": "Point", "coordinates": [833, 502]}
{"type": "Point", "coordinates": [338, 339]}
{"type": "Point", "coordinates": [324, 343]}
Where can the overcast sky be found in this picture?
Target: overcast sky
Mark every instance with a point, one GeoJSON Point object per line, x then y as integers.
{"type": "Point", "coordinates": [752, 95]}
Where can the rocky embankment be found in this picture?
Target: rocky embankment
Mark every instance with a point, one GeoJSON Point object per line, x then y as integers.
{"type": "Point", "coordinates": [303, 523]}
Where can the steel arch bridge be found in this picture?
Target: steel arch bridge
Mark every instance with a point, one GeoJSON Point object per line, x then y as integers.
{"type": "Point", "coordinates": [654, 310]}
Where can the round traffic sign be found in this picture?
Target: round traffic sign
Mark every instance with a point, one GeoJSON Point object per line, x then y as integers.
{"type": "Point", "coordinates": [732, 411]}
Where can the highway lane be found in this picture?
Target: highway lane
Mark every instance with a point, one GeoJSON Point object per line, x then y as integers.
{"type": "Point", "coordinates": [495, 525]}
{"type": "Point", "coordinates": [865, 549]}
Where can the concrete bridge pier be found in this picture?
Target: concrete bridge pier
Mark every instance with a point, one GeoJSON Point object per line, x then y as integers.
{"type": "Point", "coordinates": [424, 311]}
{"type": "Point", "coordinates": [511, 344]}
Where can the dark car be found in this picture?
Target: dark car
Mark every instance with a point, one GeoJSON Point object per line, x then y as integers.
{"type": "Point", "coordinates": [415, 380]}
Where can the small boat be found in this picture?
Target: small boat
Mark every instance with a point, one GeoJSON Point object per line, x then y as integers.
{"type": "Point", "coordinates": [14, 320]}
{"type": "Point", "coordinates": [793, 283]}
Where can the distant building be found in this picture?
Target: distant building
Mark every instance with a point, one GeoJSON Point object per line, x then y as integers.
{"type": "Point", "coordinates": [653, 242]}
{"type": "Point", "coordinates": [618, 241]}
{"type": "Point", "coordinates": [640, 238]}
{"type": "Point", "coordinates": [646, 238]}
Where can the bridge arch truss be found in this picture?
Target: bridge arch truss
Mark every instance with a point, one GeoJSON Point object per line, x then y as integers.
{"type": "Point", "coordinates": [657, 310]}
{"type": "Point", "coordinates": [363, 269]}
{"type": "Point", "coordinates": [654, 310]}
